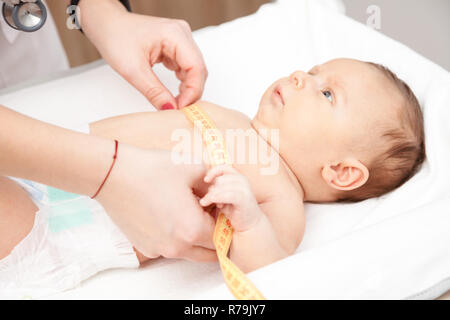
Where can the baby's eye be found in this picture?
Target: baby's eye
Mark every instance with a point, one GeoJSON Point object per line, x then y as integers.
{"type": "Point", "coordinates": [328, 95]}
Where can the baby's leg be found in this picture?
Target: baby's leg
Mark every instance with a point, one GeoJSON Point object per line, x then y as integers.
{"type": "Point", "coordinates": [54, 245]}
{"type": "Point", "coordinates": [17, 212]}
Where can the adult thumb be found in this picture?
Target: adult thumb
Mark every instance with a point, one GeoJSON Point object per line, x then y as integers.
{"type": "Point", "coordinates": [152, 88]}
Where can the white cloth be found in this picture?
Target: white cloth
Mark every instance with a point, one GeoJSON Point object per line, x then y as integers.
{"type": "Point", "coordinates": [26, 55]}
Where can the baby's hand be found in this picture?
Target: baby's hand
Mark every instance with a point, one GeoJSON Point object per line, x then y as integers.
{"type": "Point", "coordinates": [231, 193]}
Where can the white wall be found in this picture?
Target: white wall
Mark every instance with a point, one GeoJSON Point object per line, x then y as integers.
{"type": "Point", "coordinates": [423, 25]}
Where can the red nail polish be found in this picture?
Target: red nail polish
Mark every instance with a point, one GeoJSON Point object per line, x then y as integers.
{"type": "Point", "coordinates": [167, 106]}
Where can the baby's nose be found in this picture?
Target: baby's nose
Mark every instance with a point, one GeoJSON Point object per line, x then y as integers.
{"type": "Point", "coordinates": [298, 78]}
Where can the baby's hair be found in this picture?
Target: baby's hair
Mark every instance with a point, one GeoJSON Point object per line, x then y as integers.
{"type": "Point", "coordinates": [404, 147]}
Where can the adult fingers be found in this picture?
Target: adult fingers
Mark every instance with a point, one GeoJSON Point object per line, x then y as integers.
{"type": "Point", "coordinates": [194, 226]}
{"type": "Point", "coordinates": [191, 87]}
{"type": "Point", "coordinates": [170, 64]}
{"type": "Point", "coordinates": [200, 254]}
{"type": "Point", "coordinates": [203, 234]}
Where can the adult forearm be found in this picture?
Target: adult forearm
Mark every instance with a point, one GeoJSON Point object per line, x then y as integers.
{"type": "Point", "coordinates": [97, 15]}
{"type": "Point", "coordinates": [52, 155]}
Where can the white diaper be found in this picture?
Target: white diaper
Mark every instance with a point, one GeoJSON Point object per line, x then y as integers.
{"type": "Point", "coordinates": [71, 240]}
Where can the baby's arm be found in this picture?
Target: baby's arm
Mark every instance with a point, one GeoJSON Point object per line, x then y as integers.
{"type": "Point", "coordinates": [255, 243]}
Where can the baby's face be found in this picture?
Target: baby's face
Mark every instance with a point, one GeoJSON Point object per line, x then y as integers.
{"type": "Point", "coordinates": [326, 115]}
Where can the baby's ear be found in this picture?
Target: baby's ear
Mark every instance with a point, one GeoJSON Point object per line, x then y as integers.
{"type": "Point", "coordinates": [345, 175]}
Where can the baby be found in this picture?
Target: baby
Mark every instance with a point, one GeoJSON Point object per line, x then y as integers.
{"type": "Point", "coordinates": [346, 130]}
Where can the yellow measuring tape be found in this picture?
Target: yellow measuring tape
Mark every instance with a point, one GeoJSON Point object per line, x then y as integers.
{"type": "Point", "coordinates": [240, 286]}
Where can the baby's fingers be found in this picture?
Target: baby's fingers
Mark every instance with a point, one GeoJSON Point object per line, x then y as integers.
{"type": "Point", "coordinates": [216, 171]}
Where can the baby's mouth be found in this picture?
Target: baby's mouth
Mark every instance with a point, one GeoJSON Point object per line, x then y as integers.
{"type": "Point", "coordinates": [277, 95]}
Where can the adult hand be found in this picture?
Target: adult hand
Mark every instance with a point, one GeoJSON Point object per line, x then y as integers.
{"type": "Point", "coordinates": [152, 202]}
{"type": "Point", "coordinates": [133, 43]}
{"type": "Point", "coordinates": [13, 2]}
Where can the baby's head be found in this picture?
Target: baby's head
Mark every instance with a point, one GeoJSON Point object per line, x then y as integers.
{"type": "Point", "coordinates": [349, 130]}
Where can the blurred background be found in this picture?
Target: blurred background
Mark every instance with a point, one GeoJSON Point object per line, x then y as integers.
{"type": "Point", "coordinates": [423, 25]}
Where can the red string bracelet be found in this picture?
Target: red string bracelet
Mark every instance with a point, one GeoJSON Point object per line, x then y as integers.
{"type": "Point", "coordinates": [109, 171]}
